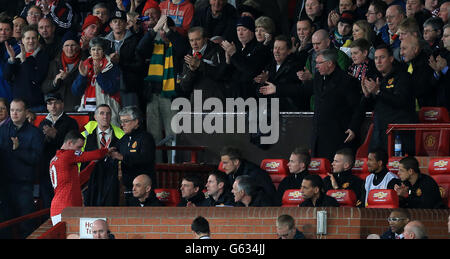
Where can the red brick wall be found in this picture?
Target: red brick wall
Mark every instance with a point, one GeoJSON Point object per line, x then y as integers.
{"type": "Point", "coordinates": [246, 223]}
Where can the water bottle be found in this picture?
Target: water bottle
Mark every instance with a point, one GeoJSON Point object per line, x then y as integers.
{"type": "Point", "coordinates": [398, 146]}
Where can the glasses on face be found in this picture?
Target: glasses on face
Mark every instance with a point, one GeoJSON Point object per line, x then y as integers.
{"type": "Point", "coordinates": [391, 219]}
{"type": "Point", "coordinates": [321, 62]}
{"type": "Point", "coordinates": [428, 31]}
{"type": "Point", "coordinates": [34, 14]}
{"type": "Point", "coordinates": [125, 121]}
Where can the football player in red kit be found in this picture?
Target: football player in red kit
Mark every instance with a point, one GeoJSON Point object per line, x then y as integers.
{"type": "Point", "coordinates": [64, 173]}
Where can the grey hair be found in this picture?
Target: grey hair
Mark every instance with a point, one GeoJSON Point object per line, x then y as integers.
{"type": "Point", "coordinates": [132, 111]}
{"type": "Point", "coordinates": [329, 55]}
{"type": "Point", "coordinates": [100, 106]}
{"type": "Point", "coordinates": [246, 183]}
{"type": "Point", "coordinates": [434, 22]}
{"type": "Point", "coordinates": [267, 23]}
{"type": "Point", "coordinates": [97, 41]}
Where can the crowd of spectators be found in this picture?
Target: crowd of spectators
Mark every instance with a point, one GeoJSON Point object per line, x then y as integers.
{"type": "Point", "coordinates": [114, 59]}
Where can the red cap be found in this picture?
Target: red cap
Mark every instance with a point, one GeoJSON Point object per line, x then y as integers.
{"type": "Point", "coordinates": [150, 4]}
{"type": "Point", "coordinates": [90, 19]}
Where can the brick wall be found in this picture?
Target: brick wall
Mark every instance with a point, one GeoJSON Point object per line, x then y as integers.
{"type": "Point", "coordinates": [246, 223]}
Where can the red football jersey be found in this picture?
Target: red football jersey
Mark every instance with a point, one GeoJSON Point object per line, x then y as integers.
{"type": "Point", "coordinates": [65, 178]}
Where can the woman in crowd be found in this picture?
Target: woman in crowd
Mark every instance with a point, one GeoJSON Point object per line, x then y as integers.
{"type": "Point", "coordinates": [98, 81]}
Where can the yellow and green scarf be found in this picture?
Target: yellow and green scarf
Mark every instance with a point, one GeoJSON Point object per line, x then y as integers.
{"type": "Point", "coordinates": [160, 69]}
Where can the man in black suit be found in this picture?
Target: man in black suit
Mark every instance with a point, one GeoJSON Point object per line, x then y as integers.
{"type": "Point", "coordinates": [103, 186]}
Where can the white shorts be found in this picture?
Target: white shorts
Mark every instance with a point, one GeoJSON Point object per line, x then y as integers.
{"type": "Point", "coordinates": [56, 219]}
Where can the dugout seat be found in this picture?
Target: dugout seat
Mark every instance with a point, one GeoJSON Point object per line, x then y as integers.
{"type": "Point", "coordinates": [169, 196]}
{"type": "Point", "coordinates": [360, 168]}
{"type": "Point", "coordinates": [433, 142]}
{"type": "Point", "coordinates": [292, 198]}
{"type": "Point", "coordinates": [276, 168]}
{"type": "Point", "coordinates": [439, 170]}
{"type": "Point", "coordinates": [363, 150]}
{"type": "Point", "coordinates": [382, 198]}
{"type": "Point", "coordinates": [320, 166]}
{"type": "Point", "coordinates": [220, 167]}
{"type": "Point", "coordinates": [393, 164]}
{"type": "Point", "coordinates": [346, 198]}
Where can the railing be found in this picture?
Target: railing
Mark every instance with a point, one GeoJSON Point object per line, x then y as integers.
{"type": "Point", "coordinates": [58, 231]}
{"type": "Point", "coordinates": [412, 126]}
{"type": "Point", "coordinates": [194, 150]}
{"type": "Point", "coordinates": [84, 178]}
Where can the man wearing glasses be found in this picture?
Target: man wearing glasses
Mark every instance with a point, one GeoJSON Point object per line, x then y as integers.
{"type": "Point", "coordinates": [397, 221]}
{"type": "Point", "coordinates": [136, 149]}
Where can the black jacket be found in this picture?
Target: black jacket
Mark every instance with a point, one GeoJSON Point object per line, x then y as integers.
{"type": "Point", "coordinates": [424, 194]}
{"type": "Point", "coordinates": [138, 150]}
{"type": "Point", "coordinates": [323, 201]}
{"type": "Point", "coordinates": [26, 78]}
{"type": "Point", "coordinates": [103, 185]}
{"type": "Point", "coordinates": [63, 125]}
{"type": "Point", "coordinates": [422, 78]}
{"type": "Point", "coordinates": [336, 100]}
{"type": "Point", "coordinates": [209, 77]}
{"type": "Point", "coordinates": [197, 199]}
{"type": "Point", "coordinates": [226, 198]}
{"type": "Point", "coordinates": [345, 180]}
{"type": "Point", "coordinates": [131, 65]}
{"type": "Point", "coordinates": [224, 25]}
{"type": "Point", "coordinates": [286, 81]}
{"type": "Point", "coordinates": [245, 65]}
{"type": "Point", "coordinates": [292, 181]}
{"type": "Point", "coordinates": [444, 82]}
{"type": "Point", "coordinates": [151, 201]}
{"type": "Point", "coordinates": [261, 177]}
{"type": "Point", "coordinates": [259, 199]}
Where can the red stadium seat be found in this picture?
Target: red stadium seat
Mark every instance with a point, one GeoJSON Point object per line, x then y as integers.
{"type": "Point", "coordinates": [82, 119]}
{"type": "Point", "coordinates": [169, 196]}
{"type": "Point", "coordinates": [363, 150]}
{"type": "Point", "coordinates": [393, 164]}
{"type": "Point", "coordinates": [346, 198]}
{"type": "Point", "coordinates": [320, 166]}
{"type": "Point", "coordinates": [360, 168]}
{"type": "Point", "coordinates": [277, 168]}
{"type": "Point", "coordinates": [382, 198]}
{"type": "Point", "coordinates": [439, 169]}
{"type": "Point", "coordinates": [292, 198]}
{"type": "Point", "coordinates": [220, 167]}
{"type": "Point", "coordinates": [433, 142]}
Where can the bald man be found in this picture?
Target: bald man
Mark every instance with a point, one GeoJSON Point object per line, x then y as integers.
{"type": "Point", "coordinates": [100, 230]}
{"type": "Point", "coordinates": [444, 10]}
{"type": "Point", "coordinates": [416, 64]}
{"type": "Point", "coordinates": [415, 230]}
{"type": "Point", "coordinates": [321, 41]}
{"type": "Point", "coordinates": [143, 195]}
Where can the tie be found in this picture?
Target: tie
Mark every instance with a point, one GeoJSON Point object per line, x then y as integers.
{"type": "Point", "coordinates": [198, 55]}
{"type": "Point", "coordinates": [103, 140]}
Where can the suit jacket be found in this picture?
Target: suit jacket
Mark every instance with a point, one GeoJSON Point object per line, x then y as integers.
{"type": "Point", "coordinates": [336, 99]}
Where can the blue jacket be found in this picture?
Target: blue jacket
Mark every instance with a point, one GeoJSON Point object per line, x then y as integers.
{"type": "Point", "coordinates": [5, 87]}
{"type": "Point", "coordinates": [20, 164]}
{"type": "Point", "coordinates": [27, 78]}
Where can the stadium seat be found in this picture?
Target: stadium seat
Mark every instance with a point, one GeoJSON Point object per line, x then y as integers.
{"type": "Point", "coordinates": [276, 168]}
{"type": "Point", "coordinates": [382, 198]}
{"type": "Point", "coordinates": [320, 166]}
{"type": "Point", "coordinates": [439, 170]}
{"type": "Point", "coordinates": [346, 198]}
{"type": "Point", "coordinates": [433, 142]}
{"type": "Point", "coordinates": [292, 198]}
{"type": "Point", "coordinates": [360, 168]}
{"type": "Point", "coordinates": [82, 119]}
{"type": "Point", "coordinates": [393, 163]}
{"type": "Point", "coordinates": [363, 150]}
{"type": "Point", "coordinates": [220, 167]}
{"type": "Point", "coordinates": [169, 196]}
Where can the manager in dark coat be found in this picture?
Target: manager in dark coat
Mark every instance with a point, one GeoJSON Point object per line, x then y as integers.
{"type": "Point", "coordinates": [337, 118]}
{"type": "Point", "coordinates": [136, 149]}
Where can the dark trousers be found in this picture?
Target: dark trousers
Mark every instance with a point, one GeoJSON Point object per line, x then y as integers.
{"type": "Point", "coordinates": [21, 202]}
